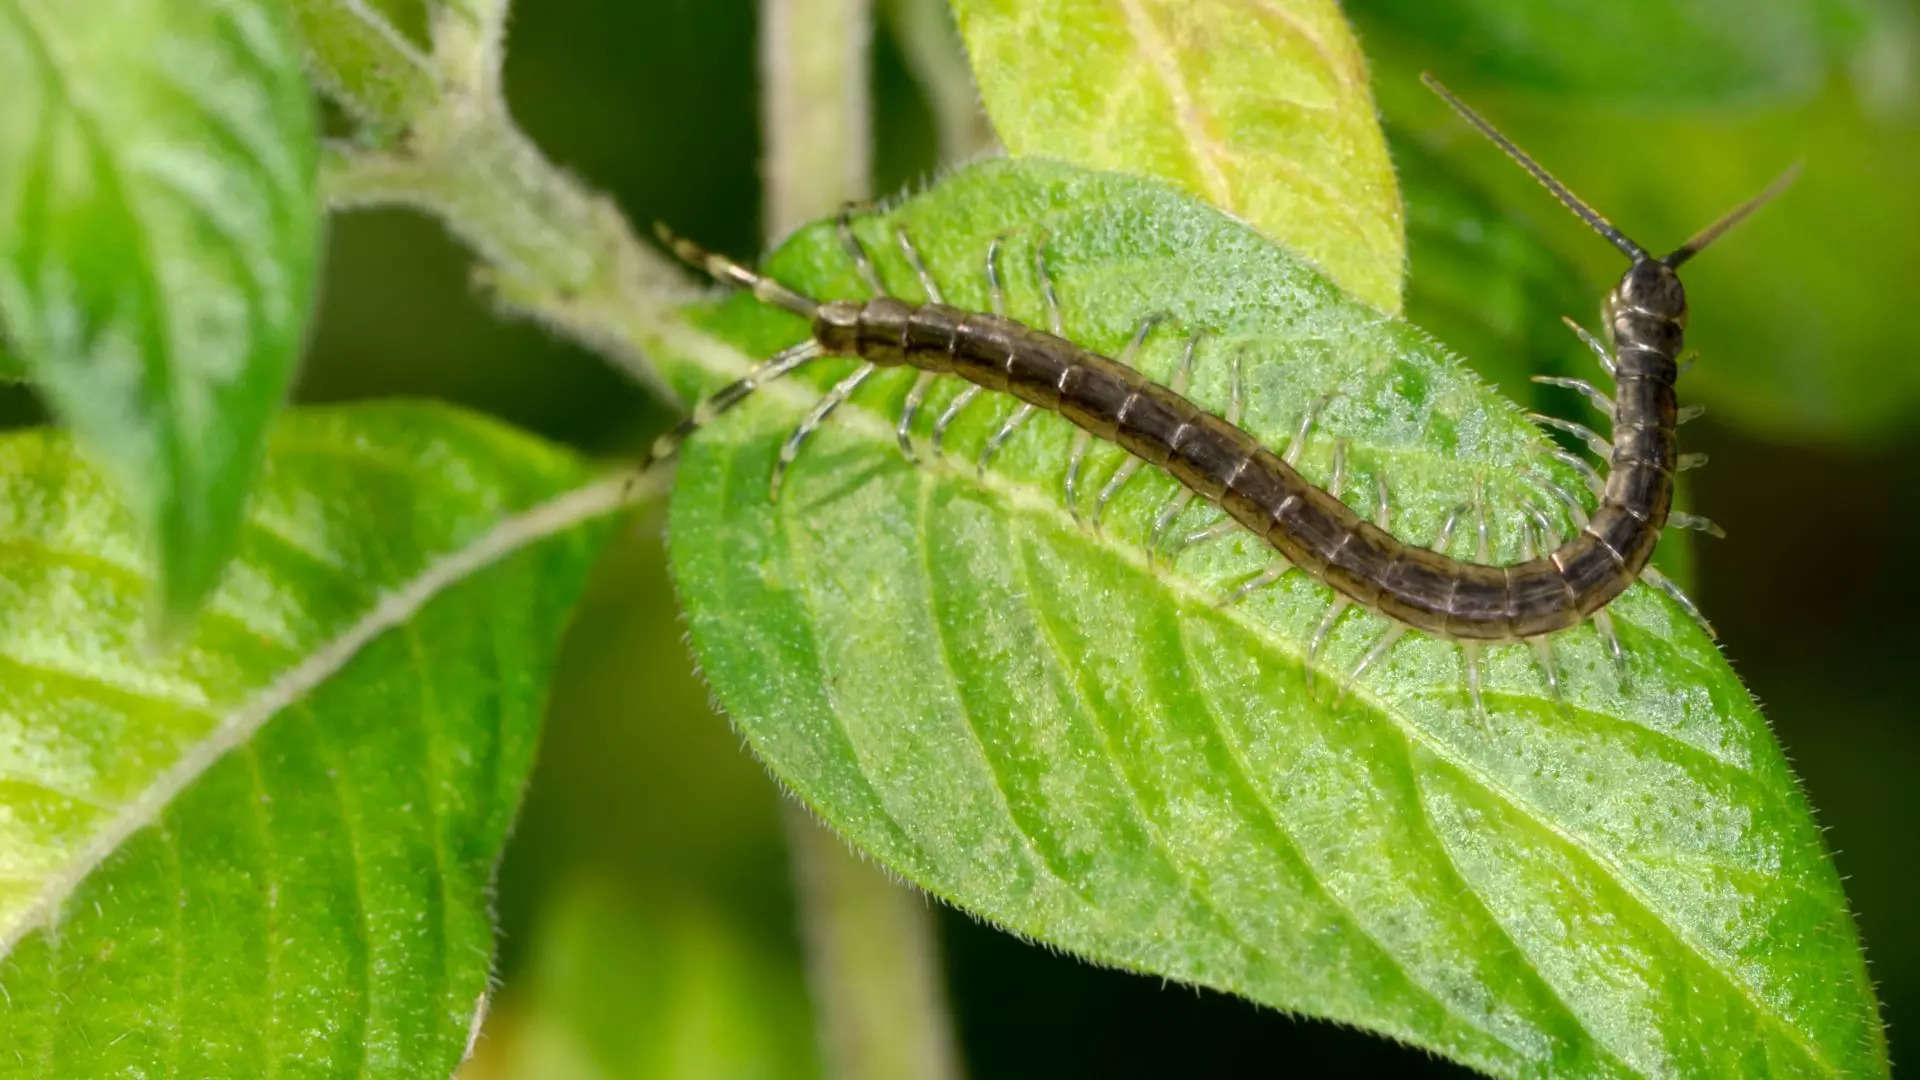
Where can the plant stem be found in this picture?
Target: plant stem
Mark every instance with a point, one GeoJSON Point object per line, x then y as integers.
{"type": "Point", "coordinates": [554, 250]}
{"type": "Point", "coordinates": [880, 1007]}
{"type": "Point", "coordinates": [931, 44]}
{"type": "Point", "coordinates": [871, 956]}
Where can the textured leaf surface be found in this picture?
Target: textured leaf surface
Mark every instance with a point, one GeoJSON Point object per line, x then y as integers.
{"type": "Point", "coordinates": [315, 899]}
{"type": "Point", "coordinates": [366, 61]}
{"type": "Point", "coordinates": [1626, 49]}
{"type": "Point", "coordinates": [158, 235]}
{"type": "Point", "coordinates": [1261, 109]}
{"type": "Point", "coordinates": [1022, 715]}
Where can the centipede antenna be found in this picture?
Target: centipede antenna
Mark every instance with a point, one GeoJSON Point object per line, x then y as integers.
{"type": "Point", "coordinates": [725, 270]}
{"type": "Point", "coordinates": [1734, 217]}
{"type": "Point", "coordinates": [1559, 190]}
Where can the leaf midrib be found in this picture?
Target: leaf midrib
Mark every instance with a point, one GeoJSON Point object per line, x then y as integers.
{"type": "Point", "coordinates": [385, 611]}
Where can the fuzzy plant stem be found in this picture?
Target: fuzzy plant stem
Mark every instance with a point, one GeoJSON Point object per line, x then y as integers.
{"type": "Point", "coordinates": [872, 959]}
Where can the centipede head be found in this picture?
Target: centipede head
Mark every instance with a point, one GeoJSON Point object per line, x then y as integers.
{"type": "Point", "coordinates": [1650, 284]}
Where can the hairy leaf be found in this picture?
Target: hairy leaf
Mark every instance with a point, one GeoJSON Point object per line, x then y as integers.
{"type": "Point", "coordinates": [272, 845]}
{"type": "Point", "coordinates": [366, 62]}
{"type": "Point", "coordinates": [1658, 51]}
{"type": "Point", "coordinates": [158, 238]}
{"type": "Point", "coordinates": [1028, 717]}
{"type": "Point", "coordinates": [1261, 109]}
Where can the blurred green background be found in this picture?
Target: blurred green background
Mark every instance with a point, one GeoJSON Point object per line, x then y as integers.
{"type": "Point", "coordinates": [645, 902]}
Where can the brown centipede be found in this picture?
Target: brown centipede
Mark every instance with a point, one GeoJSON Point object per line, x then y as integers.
{"type": "Point", "coordinates": [1214, 459]}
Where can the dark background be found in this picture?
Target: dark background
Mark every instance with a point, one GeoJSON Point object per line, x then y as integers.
{"type": "Point", "coordinates": [646, 816]}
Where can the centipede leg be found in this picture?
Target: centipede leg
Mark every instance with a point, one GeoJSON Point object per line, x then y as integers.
{"type": "Point", "coordinates": [814, 418]}
{"type": "Point", "coordinates": [1057, 324]}
{"type": "Point", "coordinates": [1596, 445]}
{"type": "Point", "coordinates": [1595, 482]}
{"type": "Point", "coordinates": [917, 394]}
{"type": "Point", "coordinates": [1177, 502]}
{"type": "Point", "coordinates": [1603, 623]}
{"type": "Point", "coordinates": [1182, 378]}
{"type": "Point", "coordinates": [1665, 584]}
{"type": "Point", "coordinates": [1321, 633]}
{"type": "Point", "coordinates": [857, 251]}
{"type": "Point", "coordinates": [952, 412]}
{"type": "Point", "coordinates": [1076, 461]}
{"type": "Point", "coordinates": [1482, 551]}
{"type": "Point", "coordinates": [1291, 455]}
{"type": "Point", "coordinates": [1470, 657]}
{"type": "Point", "coordinates": [1261, 580]}
{"type": "Point", "coordinates": [1226, 526]}
{"type": "Point", "coordinates": [1543, 656]}
{"type": "Point", "coordinates": [1169, 513]}
{"type": "Point", "coordinates": [775, 367]}
{"type": "Point", "coordinates": [1012, 424]}
{"type": "Point", "coordinates": [1586, 389]}
{"type": "Point", "coordinates": [996, 303]}
{"type": "Point", "coordinates": [1534, 536]}
{"type": "Point", "coordinates": [1681, 520]}
{"type": "Point", "coordinates": [1599, 347]}
{"type": "Point", "coordinates": [1380, 648]}
{"type": "Point", "coordinates": [927, 285]}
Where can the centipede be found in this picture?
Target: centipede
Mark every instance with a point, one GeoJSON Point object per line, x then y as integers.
{"type": "Point", "coordinates": [1310, 529]}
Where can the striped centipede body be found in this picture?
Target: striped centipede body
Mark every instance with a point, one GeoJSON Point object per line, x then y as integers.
{"type": "Point", "coordinates": [1309, 527]}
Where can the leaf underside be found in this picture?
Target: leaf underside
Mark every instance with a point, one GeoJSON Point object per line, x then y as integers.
{"type": "Point", "coordinates": [316, 900]}
{"type": "Point", "coordinates": [158, 240]}
{"type": "Point", "coordinates": [1021, 714]}
{"type": "Point", "coordinates": [1262, 110]}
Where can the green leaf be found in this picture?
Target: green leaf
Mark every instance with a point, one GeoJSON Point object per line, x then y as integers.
{"type": "Point", "coordinates": [10, 366]}
{"type": "Point", "coordinates": [158, 238]}
{"type": "Point", "coordinates": [1649, 51]}
{"type": "Point", "coordinates": [365, 61]}
{"type": "Point", "coordinates": [650, 988]}
{"type": "Point", "coordinates": [1025, 717]}
{"type": "Point", "coordinates": [1263, 111]}
{"type": "Point", "coordinates": [274, 843]}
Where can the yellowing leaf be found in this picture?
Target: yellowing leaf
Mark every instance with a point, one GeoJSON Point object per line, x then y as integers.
{"type": "Point", "coordinates": [1260, 107]}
